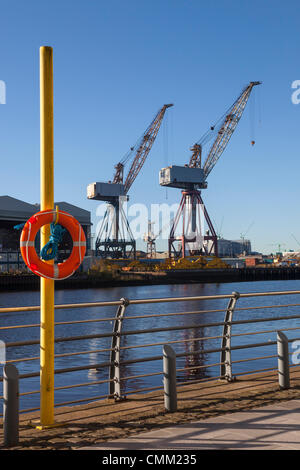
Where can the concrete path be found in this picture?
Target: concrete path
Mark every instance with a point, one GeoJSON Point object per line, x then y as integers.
{"type": "Point", "coordinates": [265, 428]}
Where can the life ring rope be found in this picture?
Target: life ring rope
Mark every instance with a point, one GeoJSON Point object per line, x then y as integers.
{"type": "Point", "coordinates": [51, 270]}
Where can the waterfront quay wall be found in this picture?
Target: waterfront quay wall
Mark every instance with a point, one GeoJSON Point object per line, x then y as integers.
{"type": "Point", "coordinates": [182, 276]}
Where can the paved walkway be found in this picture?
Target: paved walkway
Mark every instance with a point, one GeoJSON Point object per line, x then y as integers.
{"type": "Point", "coordinates": [273, 427]}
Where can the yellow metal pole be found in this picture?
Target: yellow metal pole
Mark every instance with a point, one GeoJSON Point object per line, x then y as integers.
{"type": "Point", "coordinates": [47, 202]}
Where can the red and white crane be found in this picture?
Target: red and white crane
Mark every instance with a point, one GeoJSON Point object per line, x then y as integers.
{"type": "Point", "coordinates": [191, 178]}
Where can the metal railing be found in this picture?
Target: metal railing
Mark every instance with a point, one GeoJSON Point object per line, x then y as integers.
{"type": "Point", "coordinates": [129, 363]}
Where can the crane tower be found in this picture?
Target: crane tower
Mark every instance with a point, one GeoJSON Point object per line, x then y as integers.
{"type": "Point", "coordinates": [191, 178]}
{"type": "Point", "coordinates": [115, 239]}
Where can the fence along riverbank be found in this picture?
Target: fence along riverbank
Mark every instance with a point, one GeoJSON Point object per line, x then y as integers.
{"type": "Point", "coordinates": [129, 364]}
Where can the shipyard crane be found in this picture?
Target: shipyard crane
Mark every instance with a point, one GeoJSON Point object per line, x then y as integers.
{"type": "Point", "coordinates": [192, 177]}
{"type": "Point", "coordinates": [150, 238]}
{"type": "Point", "coordinates": [115, 239]}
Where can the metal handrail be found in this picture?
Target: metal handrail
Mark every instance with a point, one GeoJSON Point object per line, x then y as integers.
{"type": "Point", "coordinates": [147, 301]}
{"type": "Point", "coordinates": [116, 362]}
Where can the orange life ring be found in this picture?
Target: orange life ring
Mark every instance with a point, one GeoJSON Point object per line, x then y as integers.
{"type": "Point", "coordinates": [46, 269]}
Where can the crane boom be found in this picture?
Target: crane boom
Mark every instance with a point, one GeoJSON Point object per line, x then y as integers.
{"type": "Point", "coordinates": [141, 151]}
{"type": "Point", "coordinates": [191, 179]}
{"type": "Point", "coordinates": [224, 134]}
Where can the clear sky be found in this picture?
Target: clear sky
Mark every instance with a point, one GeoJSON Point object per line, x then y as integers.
{"type": "Point", "coordinates": [117, 62]}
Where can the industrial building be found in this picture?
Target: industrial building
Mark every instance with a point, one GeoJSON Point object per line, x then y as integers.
{"type": "Point", "coordinates": [233, 248]}
{"type": "Point", "coordinates": [14, 212]}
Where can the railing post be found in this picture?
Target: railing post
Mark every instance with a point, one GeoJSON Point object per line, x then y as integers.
{"type": "Point", "coordinates": [169, 368]}
{"type": "Point", "coordinates": [10, 405]}
{"type": "Point", "coordinates": [283, 360]}
{"type": "Point", "coordinates": [114, 370]}
{"type": "Point", "coordinates": [226, 364]}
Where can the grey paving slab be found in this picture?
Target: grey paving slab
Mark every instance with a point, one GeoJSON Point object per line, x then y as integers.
{"type": "Point", "coordinates": [266, 428]}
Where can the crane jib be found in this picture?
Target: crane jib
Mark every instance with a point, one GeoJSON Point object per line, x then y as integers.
{"type": "Point", "coordinates": [227, 128]}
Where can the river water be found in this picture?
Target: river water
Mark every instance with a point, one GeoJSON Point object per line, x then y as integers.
{"type": "Point", "coordinates": [199, 347]}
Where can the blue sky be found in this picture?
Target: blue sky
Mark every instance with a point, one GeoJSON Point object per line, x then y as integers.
{"type": "Point", "coordinates": [116, 63]}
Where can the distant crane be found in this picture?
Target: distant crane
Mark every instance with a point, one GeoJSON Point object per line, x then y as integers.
{"type": "Point", "coordinates": [296, 239]}
{"type": "Point", "coordinates": [115, 239]}
{"type": "Point", "coordinates": [243, 235]}
{"type": "Point", "coordinates": [192, 177]}
{"type": "Point", "coordinates": [278, 245]}
{"type": "Point", "coordinates": [150, 238]}
{"type": "Point", "coordinates": [219, 229]}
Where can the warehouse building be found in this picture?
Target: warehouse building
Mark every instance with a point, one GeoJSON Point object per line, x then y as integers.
{"type": "Point", "coordinates": [233, 248]}
{"type": "Point", "coordinates": [14, 212]}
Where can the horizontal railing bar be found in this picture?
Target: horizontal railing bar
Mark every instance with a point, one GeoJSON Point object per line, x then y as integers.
{"type": "Point", "coordinates": [203, 338]}
{"type": "Point", "coordinates": [61, 339]}
{"type": "Point", "coordinates": [253, 345]}
{"type": "Point", "coordinates": [74, 322]}
{"type": "Point", "coordinates": [254, 359]}
{"type": "Point", "coordinates": [171, 314]}
{"type": "Point", "coordinates": [22, 343]}
{"type": "Point", "coordinates": [29, 410]}
{"type": "Point", "coordinates": [148, 301]}
{"type": "Point", "coordinates": [91, 320]}
{"type": "Point", "coordinates": [62, 306]}
{"type": "Point", "coordinates": [199, 367]}
{"type": "Point", "coordinates": [96, 320]}
{"type": "Point", "coordinates": [212, 297]}
{"type": "Point", "coordinates": [269, 294]}
{"type": "Point", "coordinates": [256, 371]}
{"type": "Point", "coordinates": [152, 374]}
{"type": "Point", "coordinates": [264, 331]}
{"type": "Point", "coordinates": [208, 311]}
{"type": "Point", "coordinates": [157, 358]}
{"type": "Point", "coordinates": [259, 320]}
{"type": "Point", "coordinates": [196, 353]}
{"type": "Point", "coordinates": [292, 339]}
{"type": "Point", "coordinates": [25, 359]}
{"type": "Point", "coordinates": [23, 394]}
{"type": "Point", "coordinates": [86, 384]}
{"type": "Point", "coordinates": [15, 327]}
{"type": "Point", "coordinates": [66, 370]}
{"type": "Point", "coordinates": [152, 330]}
{"type": "Point", "coordinates": [92, 351]}
{"type": "Point", "coordinates": [172, 328]}
{"type": "Point", "coordinates": [82, 337]}
{"type": "Point", "coordinates": [143, 359]}
{"type": "Point", "coordinates": [57, 356]}
{"type": "Point", "coordinates": [87, 367]}
{"type": "Point", "coordinates": [9, 327]}
{"type": "Point", "coordinates": [83, 400]}
{"type": "Point", "coordinates": [196, 381]}
{"type": "Point", "coordinates": [259, 307]}
{"type": "Point", "coordinates": [206, 325]}
{"type": "Point", "coordinates": [141, 390]}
